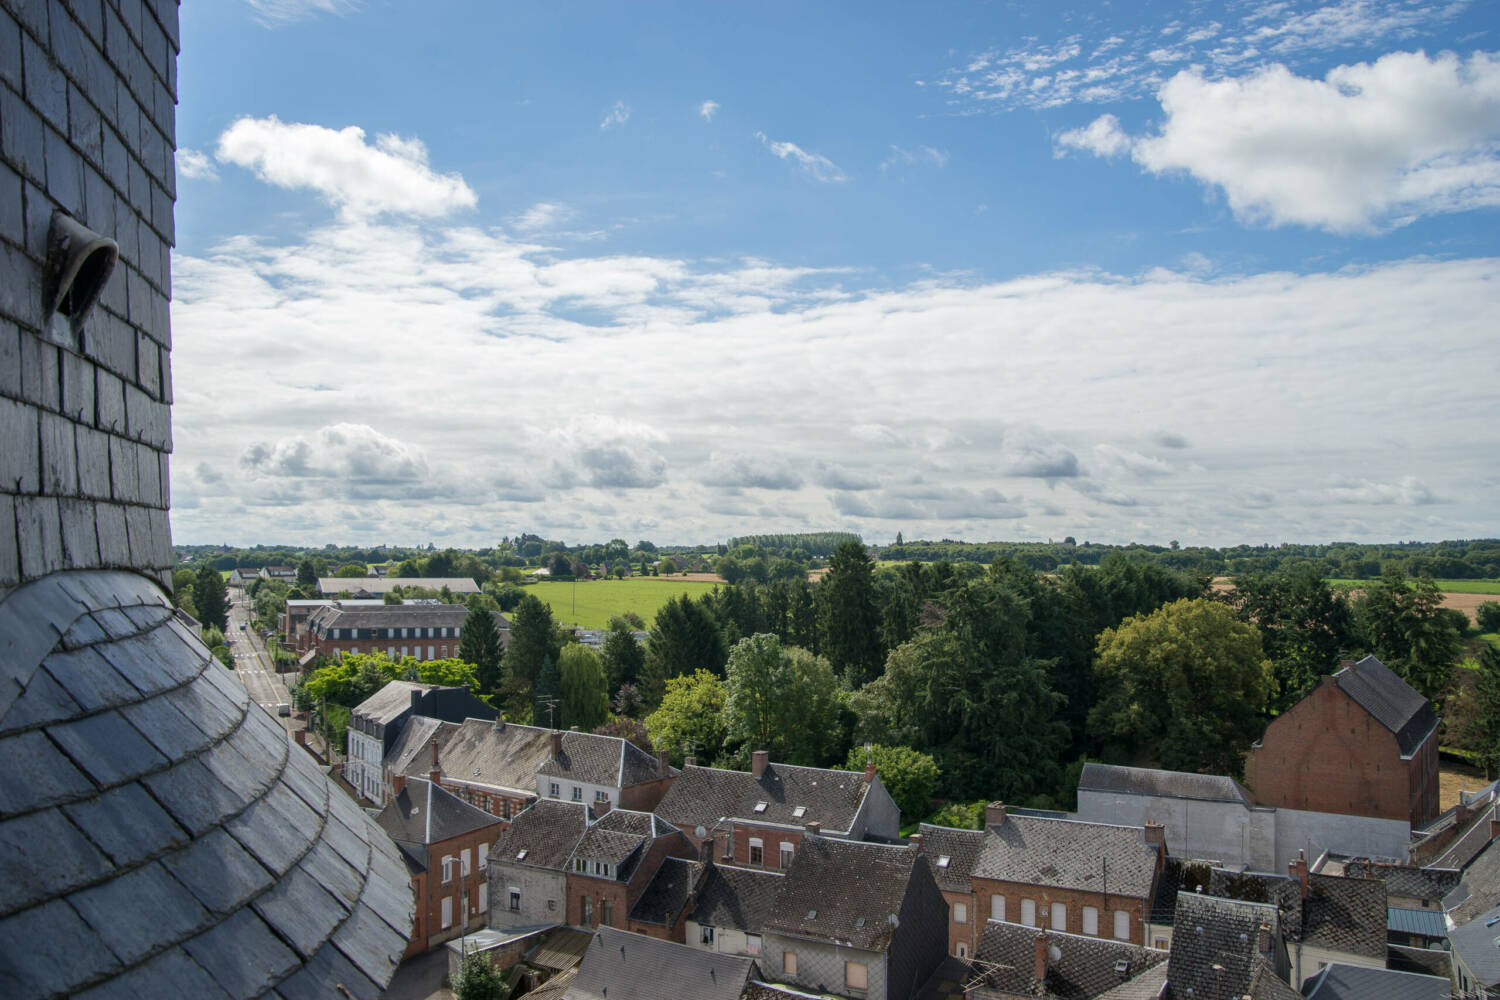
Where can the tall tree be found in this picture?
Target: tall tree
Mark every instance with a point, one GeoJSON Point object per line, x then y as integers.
{"type": "Point", "coordinates": [307, 576]}
{"type": "Point", "coordinates": [584, 697]}
{"type": "Point", "coordinates": [479, 644]}
{"type": "Point", "coordinates": [781, 699]}
{"type": "Point", "coordinates": [1404, 624]}
{"type": "Point", "coordinates": [690, 718]}
{"type": "Point", "coordinates": [623, 655]}
{"type": "Point", "coordinates": [1303, 624]}
{"type": "Point", "coordinates": [532, 641]}
{"type": "Point", "coordinates": [848, 620]}
{"type": "Point", "coordinates": [211, 597]}
{"type": "Point", "coordinates": [1487, 714]}
{"type": "Point", "coordinates": [1184, 686]}
{"type": "Point", "coordinates": [685, 637]}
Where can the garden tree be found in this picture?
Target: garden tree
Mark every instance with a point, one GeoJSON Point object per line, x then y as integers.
{"type": "Point", "coordinates": [1183, 687]}
{"type": "Point", "coordinates": [909, 775]}
{"type": "Point", "coordinates": [1487, 708]}
{"type": "Point", "coordinates": [1487, 616]}
{"type": "Point", "coordinates": [633, 730]}
{"type": "Point", "coordinates": [782, 699]}
{"type": "Point", "coordinates": [477, 979]}
{"type": "Point", "coordinates": [627, 701]}
{"type": "Point", "coordinates": [730, 570]}
{"type": "Point", "coordinates": [479, 644]}
{"type": "Point", "coordinates": [546, 700]}
{"type": "Point", "coordinates": [847, 620]}
{"type": "Point", "coordinates": [353, 678]}
{"type": "Point", "coordinates": [666, 566]}
{"type": "Point", "coordinates": [212, 637]}
{"type": "Point", "coordinates": [392, 596]}
{"type": "Point", "coordinates": [532, 640]}
{"type": "Point", "coordinates": [1304, 626]}
{"type": "Point", "coordinates": [690, 718]}
{"type": "Point", "coordinates": [685, 637]}
{"type": "Point", "coordinates": [307, 577]}
{"type": "Point", "coordinates": [623, 655]}
{"type": "Point", "coordinates": [183, 581]}
{"type": "Point", "coordinates": [350, 571]}
{"type": "Point", "coordinates": [1403, 623]}
{"type": "Point", "coordinates": [559, 565]}
{"type": "Point", "coordinates": [584, 696]}
{"type": "Point", "coordinates": [211, 598]}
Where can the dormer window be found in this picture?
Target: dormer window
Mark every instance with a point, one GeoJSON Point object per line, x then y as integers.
{"type": "Point", "coordinates": [944, 861]}
{"type": "Point", "coordinates": [760, 807]}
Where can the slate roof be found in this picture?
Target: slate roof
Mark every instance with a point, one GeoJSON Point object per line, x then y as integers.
{"type": "Point", "coordinates": [702, 796]}
{"type": "Point", "coordinates": [1405, 880]}
{"type": "Point", "coordinates": [1177, 875]}
{"type": "Point", "coordinates": [390, 702]}
{"type": "Point", "coordinates": [738, 898]}
{"type": "Point", "coordinates": [1345, 914]}
{"type": "Point", "coordinates": [1479, 890]}
{"type": "Point", "coordinates": [426, 813]}
{"type": "Point", "coordinates": [1085, 967]}
{"type": "Point", "coordinates": [1280, 891]}
{"type": "Point", "coordinates": [844, 891]}
{"type": "Point", "coordinates": [1356, 982]}
{"type": "Point", "coordinates": [162, 835]}
{"type": "Point", "coordinates": [1146, 986]}
{"type": "Point", "coordinates": [1068, 854]}
{"type": "Point", "coordinates": [547, 831]}
{"type": "Point", "coordinates": [384, 615]}
{"type": "Point", "coordinates": [622, 837]}
{"type": "Point", "coordinates": [666, 895]}
{"type": "Point", "coordinates": [601, 760]}
{"type": "Point", "coordinates": [562, 949]}
{"type": "Point", "coordinates": [385, 584]}
{"type": "Point", "coordinates": [619, 965]}
{"type": "Point", "coordinates": [1393, 703]}
{"type": "Point", "coordinates": [1468, 845]}
{"type": "Point", "coordinates": [1428, 961]}
{"type": "Point", "coordinates": [960, 847]}
{"type": "Point", "coordinates": [1169, 784]}
{"type": "Point", "coordinates": [411, 752]}
{"type": "Point", "coordinates": [1209, 931]}
{"type": "Point", "coordinates": [1474, 943]}
{"type": "Point", "coordinates": [504, 756]}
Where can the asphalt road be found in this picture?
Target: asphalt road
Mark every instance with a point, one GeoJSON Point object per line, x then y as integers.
{"type": "Point", "coordinates": [251, 661]}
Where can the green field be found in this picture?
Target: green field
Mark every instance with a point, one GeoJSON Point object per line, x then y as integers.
{"type": "Point", "coordinates": [591, 603]}
{"type": "Point", "coordinates": [1451, 586]}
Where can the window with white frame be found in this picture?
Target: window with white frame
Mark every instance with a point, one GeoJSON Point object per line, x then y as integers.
{"type": "Point", "coordinates": [1091, 920]}
{"type": "Point", "coordinates": [465, 857]}
{"type": "Point", "coordinates": [1059, 917]}
{"type": "Point", "coordinates": [706, 935]}
{"type": "Point", "coordinates": [552, 789]}
{"type": "Point", "coordinates": [1028, 912]}
{"type": "Point", "coordinates": [997, 907]}
{"type": "Point", "coordinates": [448, 869]}
{"type": "Point", "coordinates": [577, 794]}
{"type": "Point", "coordinates": [960, 913]}
{"type": "Point", "coordinates": [447, 911]}
{"type": "Point", "coordinates": [757, 850]}
{"type": "Point", "coordinates": [1122, 925]}
{"type": "Point", "coordinates": [787, 852]}
{"type": "Point", "coordinates": [601, 796]}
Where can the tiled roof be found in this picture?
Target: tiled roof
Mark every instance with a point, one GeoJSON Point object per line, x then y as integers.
{"type": "Point", "coordinates": [411, 753]}
{"type": "Point", "coordinates": [1393, 703]}
{"type": "Point", "coordinates": [1068, 854]}
{"type": "Point", "coordinates": [1356, 982]}
{"type": "Point", "coordinates": [1147, 986]}
{"type": "Point", "coordinates": [1466, 847]}
{"type": "Point", "coordinates": [1428, 961]}
{"type": "Point", "coordinates": [1345, 914]}
{"type": "Point", "coordinates": [1406, 880]}
{"type": "Point", "coordinates": [1169, 784]}
{"type": "Point", "coordinates": [601, 760]}
{"type": "Point", "coordinates": [427, 813]}
{"type": "Point", "coordinates": [739, 898]}
{"type": "Point", "coordinates": [702, 796]}
{"type": "Point", "coordinates": [1178, 875]}
{"type": "Point", "coordinates": [563, 949]}
{"type": "Point", "coordinates": [961, 849]}
{"type": "Point", "coordinates": [500, 755]}
{"type": "Point", "coordinates": [1210, 932]}
{"type": "Point", "coordinates": [1474, 942]}
{"type": "Point", "coordinates": [1265, 984]}
{"type": "Point", "coordinates": [385, 584]}
{"type": "Point", "coordinates": [390, 702]}
{"type": "Point", "coordinates": [381, 615]}
{"type": "Point", "coordinates": [1479, 891]}
{"type": "Point", "coordinates": [555, 988]}
{"type": "Point", "coordinates": [1079, 967]}
{"type": "Point", "coordinates": [1280, 891]}
{"type": "Point", "coordinates": [622, 966]}
{"type": "Point", "coordinates": [162, 835]}
{"type": "Point", "coordinates": [844, 891]}
{"type": "Point", "coordinates": [546, 831]}
{"type": "Point", "coordinates": [622, 837]}
{"type": "Point", "coordinates": [666, 895]}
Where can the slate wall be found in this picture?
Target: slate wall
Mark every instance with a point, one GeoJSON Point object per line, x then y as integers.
{"type": "Point", "coordinates": [87, 105]}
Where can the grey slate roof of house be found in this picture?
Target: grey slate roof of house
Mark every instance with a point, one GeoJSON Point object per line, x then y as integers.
{"type": "Point", "coordinates": [1068, 854]}
{"type": "Point", "coordinates": [961, 848]}
{"type": "Point", "coordinates": [1479, 889]}
{"type": "Point", "coordinates": [844, 891]}
{"type": "Point", "coordinates": [1209, 931]}
{"type": "Point", "coordinates": [1280, 891]}
{"type": "Point", "coordinates": [1169, 784]}
{"type": "Point", "coordinates": [1345, 914]}
{"type": "Point", "coordinates": [1474, 943]}
{"type": "Point", "coordinates": [739, 898]}
{"type": "Point", "coordinates": [390, 702]}
{"type": "Point", "coordinates": [702, 796]}
{"type": "Point", "coordinates": [666, 895]}
{"type": "Point", "coordinates": [1084, 969]}
{"type": "Point", "coordinates": [547, 832]}
{"type": "Point", "coordinates": [411, 752]}
{"type": "Point", "coordinates": [619, 965]}
{"type": "Point", "coordinates": [1393, 703]}
{"type": "Point", "coordinates": [396, 616]}
{"type": "Point", "coordinates": [601, 760]}
{"type": "Point", "coordinates": [1356, 982]}
{"type": "Point", "coordinates": [1178, 875]}
{"type": "Point", "coordinates": [1468, 844]}
{"type": "Point", "coordinates": [162, 835]}
{"type": "Point", "coordinates": [476, 750]}
{"type": "Point", "coordinates": [1427, 961]}
{"type": "Point", "coordinates": [1405, 880]}
{"type": "Point", "coordinates": [622, 837]}
{"type": "Point", "coordinates": [426, 813]}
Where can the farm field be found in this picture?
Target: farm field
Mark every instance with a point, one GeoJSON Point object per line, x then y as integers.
{"type": "Point", "coordinates": [1491, 587]}
{"type": "Point", "coordinates": [592, 603]}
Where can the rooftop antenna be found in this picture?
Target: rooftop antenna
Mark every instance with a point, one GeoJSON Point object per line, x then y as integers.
{"type": "Point", "coordinates": [551, 704]}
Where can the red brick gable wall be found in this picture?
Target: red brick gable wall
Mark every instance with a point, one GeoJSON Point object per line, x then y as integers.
{"type": "Point", "coordinates": [1074, 900]}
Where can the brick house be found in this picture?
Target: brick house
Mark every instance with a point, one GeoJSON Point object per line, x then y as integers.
{"type": "Point", "coordinates": [758, 817]}
{"type": "Point", "coordinates": [377, 723]}
{"type": "Point", "coordinates": [952, 854]}
{"type": "Point", "coordinates": [529, 863]}
{"type": "Point", "coordinates": [421, 631]}
{"type": "Point", "coordinates": [1092, 879]}
{"type": "Point", "coordinates": [446, 845]}
{"type": "Point", "coordinates": [858, 919]}
{"type": "Point", "coordinates": [614, 861]}
{"type": "Point", "coordinates": [730, 909]}
{"type": "Point", "coordinates": [1362, 743]}
{"type": "Point", "coordinates": [661, 910]}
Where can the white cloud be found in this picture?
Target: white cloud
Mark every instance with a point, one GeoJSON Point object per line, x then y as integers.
{"type": "Point", "coordinates": [1369, 146]}
{"type": "Point", "coordinates": [1131, 462]}
{"type": "Point", "coordinates": [708, 109]}
{"type": "Point", "coordinates": [195, 165]}
{"type": "Point", "coordinates": [738, 470]}
{"type": "Point", "coordinates": [1408, 491]}
{"type": "Point", "coordinates": [361, 179]}
{"type": "Point", "coordinates": [273, 13]}
{"type": "Point", "coordinates": [618, 114]}
{"type": "Point", "coordinates": [602, 451]}
{"type": "Point", "coordinates": [542, 215]}
{"type": "Point", "coordinates": [818, 167]}
{"type": "Point", "coordinates": [921, 155]}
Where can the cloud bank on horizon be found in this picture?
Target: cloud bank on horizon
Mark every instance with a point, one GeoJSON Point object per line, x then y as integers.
{"type": "Point", "coordinates": [675, 336]}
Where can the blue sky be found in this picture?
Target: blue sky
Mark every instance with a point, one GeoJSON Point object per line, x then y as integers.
{"type": "Point", "coordinates": [1216, 272]}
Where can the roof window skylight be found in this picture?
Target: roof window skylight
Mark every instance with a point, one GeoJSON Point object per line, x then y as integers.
{"type": "Point", "coordinates": [944, 860]}
{"type": "Point", "coordinates": [798, 812]}
{"type": "Point", "coordinates": [760, 807]}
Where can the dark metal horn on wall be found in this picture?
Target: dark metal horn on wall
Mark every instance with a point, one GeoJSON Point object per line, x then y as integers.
{"type": "Point", "coordinates": [79, 263]}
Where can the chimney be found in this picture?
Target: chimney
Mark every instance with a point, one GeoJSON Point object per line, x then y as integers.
{"type": "Point", "coordinates": [870, 769]}
{"type": "Point", "coordinates": [662, 767]}
{"type": "Point", "coordinates": [758, 761]}
{"type": "Point", "coordinates": [1155, 833]}
{"type": "Point", "coordinates": [499, 722]}
{"type": "Point", "coordinates": [602, 807]}
{"type": "Point", "coordinates": [1263, 939]}
{"type": "Point", "coordinates": [813, 827]}
{"type": "Point", "coordinates": [1460, 812]}
{"type": "Point", "coordinates": [398, 783]}
{"type": "Point", "coordinates": [435, 775]}
{"type": "Point", "coordinates": [1298, 870]}
{"type": "Point", "coordinates": [916, 841]}
{"type": "Point", "coordinates": [994, 814]}
{"type": "Point", "coordinates": [1039, 971]}
{"type": "Point", "coordinates": [707, 850]}
{"type": "Point", "coordinates": [690, 761]}
{"type": "Point", "coordinates": [556, 743]}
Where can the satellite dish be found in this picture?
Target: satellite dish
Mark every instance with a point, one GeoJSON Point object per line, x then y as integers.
{"type": "Point", "coordinates": [699, 832]}
{"type": "Point", "coordinates": [1054, 953]}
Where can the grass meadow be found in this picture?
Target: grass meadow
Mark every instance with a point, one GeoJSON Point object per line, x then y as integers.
{"type": "Point", "coordinates": [592, 603]}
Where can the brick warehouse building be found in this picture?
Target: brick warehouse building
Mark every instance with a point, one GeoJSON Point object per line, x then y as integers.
{"type": "Point", "coordinates": [1362, 743]}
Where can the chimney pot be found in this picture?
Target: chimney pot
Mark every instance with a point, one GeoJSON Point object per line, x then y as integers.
{"type": "Point", "coordinates": [1263, 939]}
{"type": "Point", "coordinates": [398, 783]}
{"type": "Point", "coordinates": [690, 761]}
{"type": "Point", "coordinates": [1155, 833]}
{"type": "Point", "coordinates": [916, 840]}
{"type": "Point", "coordinates": [870, 769]}
{"type": "Point", "coordinates": [662, 767]}
{"type": "Point", "coordinates": [758, 762]}
{"type": "Point", "coordinates": [556, 743]}
{"type": "Point", "coordinates": [994, 814]}
{"type": "Point", "coordinates": [813, 827]}
{"type": "Point", "coordinates": [602, 807]}
{"type": "Point", "coordinates": [1298, 870]}
{"type": "Point", "coordinates": [1040, 970]}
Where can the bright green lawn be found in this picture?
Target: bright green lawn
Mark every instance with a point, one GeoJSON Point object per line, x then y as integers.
{"type": "Point", "coordinates": [1452, 586]}
{"type": "Point", "coordinates": [591, 603]}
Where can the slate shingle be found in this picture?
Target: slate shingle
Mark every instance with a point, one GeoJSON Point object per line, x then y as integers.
{"type": "Point", "coordinates": [846, 891]}
{"type": "Point", "coordinates": [702, 796]}
{"type": "Point", "coordinates": [127, 824]}
{"type": "Point", "coordinates": [1068, 854]}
